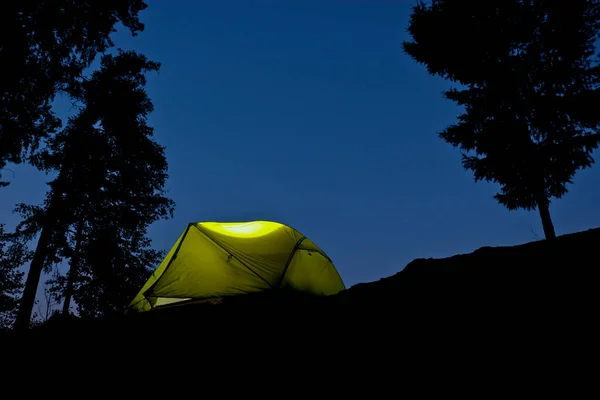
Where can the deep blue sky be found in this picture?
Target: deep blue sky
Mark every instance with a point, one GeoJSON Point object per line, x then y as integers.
{"type": "Point", "coordinates": [308, 113]}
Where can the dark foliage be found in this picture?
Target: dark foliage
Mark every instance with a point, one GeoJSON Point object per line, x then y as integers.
{"type": "Point", "coordinates": [44, 47]}
{"type": "Point", "coordinates": [13, 254]}
{"type": "Point", "coordinates": [529, 86]}
{"type": "Point", "coordinates": [109, 189]}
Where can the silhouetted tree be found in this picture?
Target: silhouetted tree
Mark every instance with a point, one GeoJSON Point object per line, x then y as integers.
{"type": "Point", "coordinates": [109, 189]}
{"type": "Point", "coordinates": [13, 254]}
{"type": "Point", "coordinates": [529, 87]}
{"type": "Point", "coordinates": [44, 46]}
{"type": "Point", "coordinates": [112, 268]}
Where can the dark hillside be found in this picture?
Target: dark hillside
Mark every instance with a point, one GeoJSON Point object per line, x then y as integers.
{"type": "Point", "coordinates": [521, 282]}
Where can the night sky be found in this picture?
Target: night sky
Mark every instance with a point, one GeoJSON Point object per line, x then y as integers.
{"type": "Point", "coordinates": [308, 113]}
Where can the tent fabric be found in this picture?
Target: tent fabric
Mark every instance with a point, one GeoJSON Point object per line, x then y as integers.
{"type": "Point", "coordinates": [213, 259]}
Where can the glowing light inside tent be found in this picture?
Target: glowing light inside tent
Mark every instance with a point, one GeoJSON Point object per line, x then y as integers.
{"type": "Point", "coordinates": [162, 301]}
{"type": "Point", "coordinates": [245, 229]}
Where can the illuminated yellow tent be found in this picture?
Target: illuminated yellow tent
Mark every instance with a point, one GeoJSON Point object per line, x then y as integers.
{"type": "Point", "coordinates": [213, 260]}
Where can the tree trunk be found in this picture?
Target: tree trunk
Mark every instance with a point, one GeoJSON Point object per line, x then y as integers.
{"type": "Point", "coordinates": [39, 259]}
{"type": "Point", "coordinates": [546, 220]}
{"type": "Point", "coordinates": [73, 269]}
{"type": "Point", "coordinates": [33, 280]}
{"type": "Point", "coordinates": [36, 267]}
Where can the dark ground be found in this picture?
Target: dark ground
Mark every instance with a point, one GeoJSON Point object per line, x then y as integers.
{"type": "Point", "coordinates": [500, 292]}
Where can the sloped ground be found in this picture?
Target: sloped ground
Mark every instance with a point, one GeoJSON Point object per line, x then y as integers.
{"type": "Point", "coordinates": [520, 283]}
{"type": "Point", "coordinates": [536, 272]}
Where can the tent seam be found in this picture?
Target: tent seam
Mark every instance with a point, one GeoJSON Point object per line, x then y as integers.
{"type": "Point", "coordinates": [289, 260]}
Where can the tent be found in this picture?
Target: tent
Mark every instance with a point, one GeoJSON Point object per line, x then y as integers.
{"type": "Point", "coordinates": [213, 260]}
